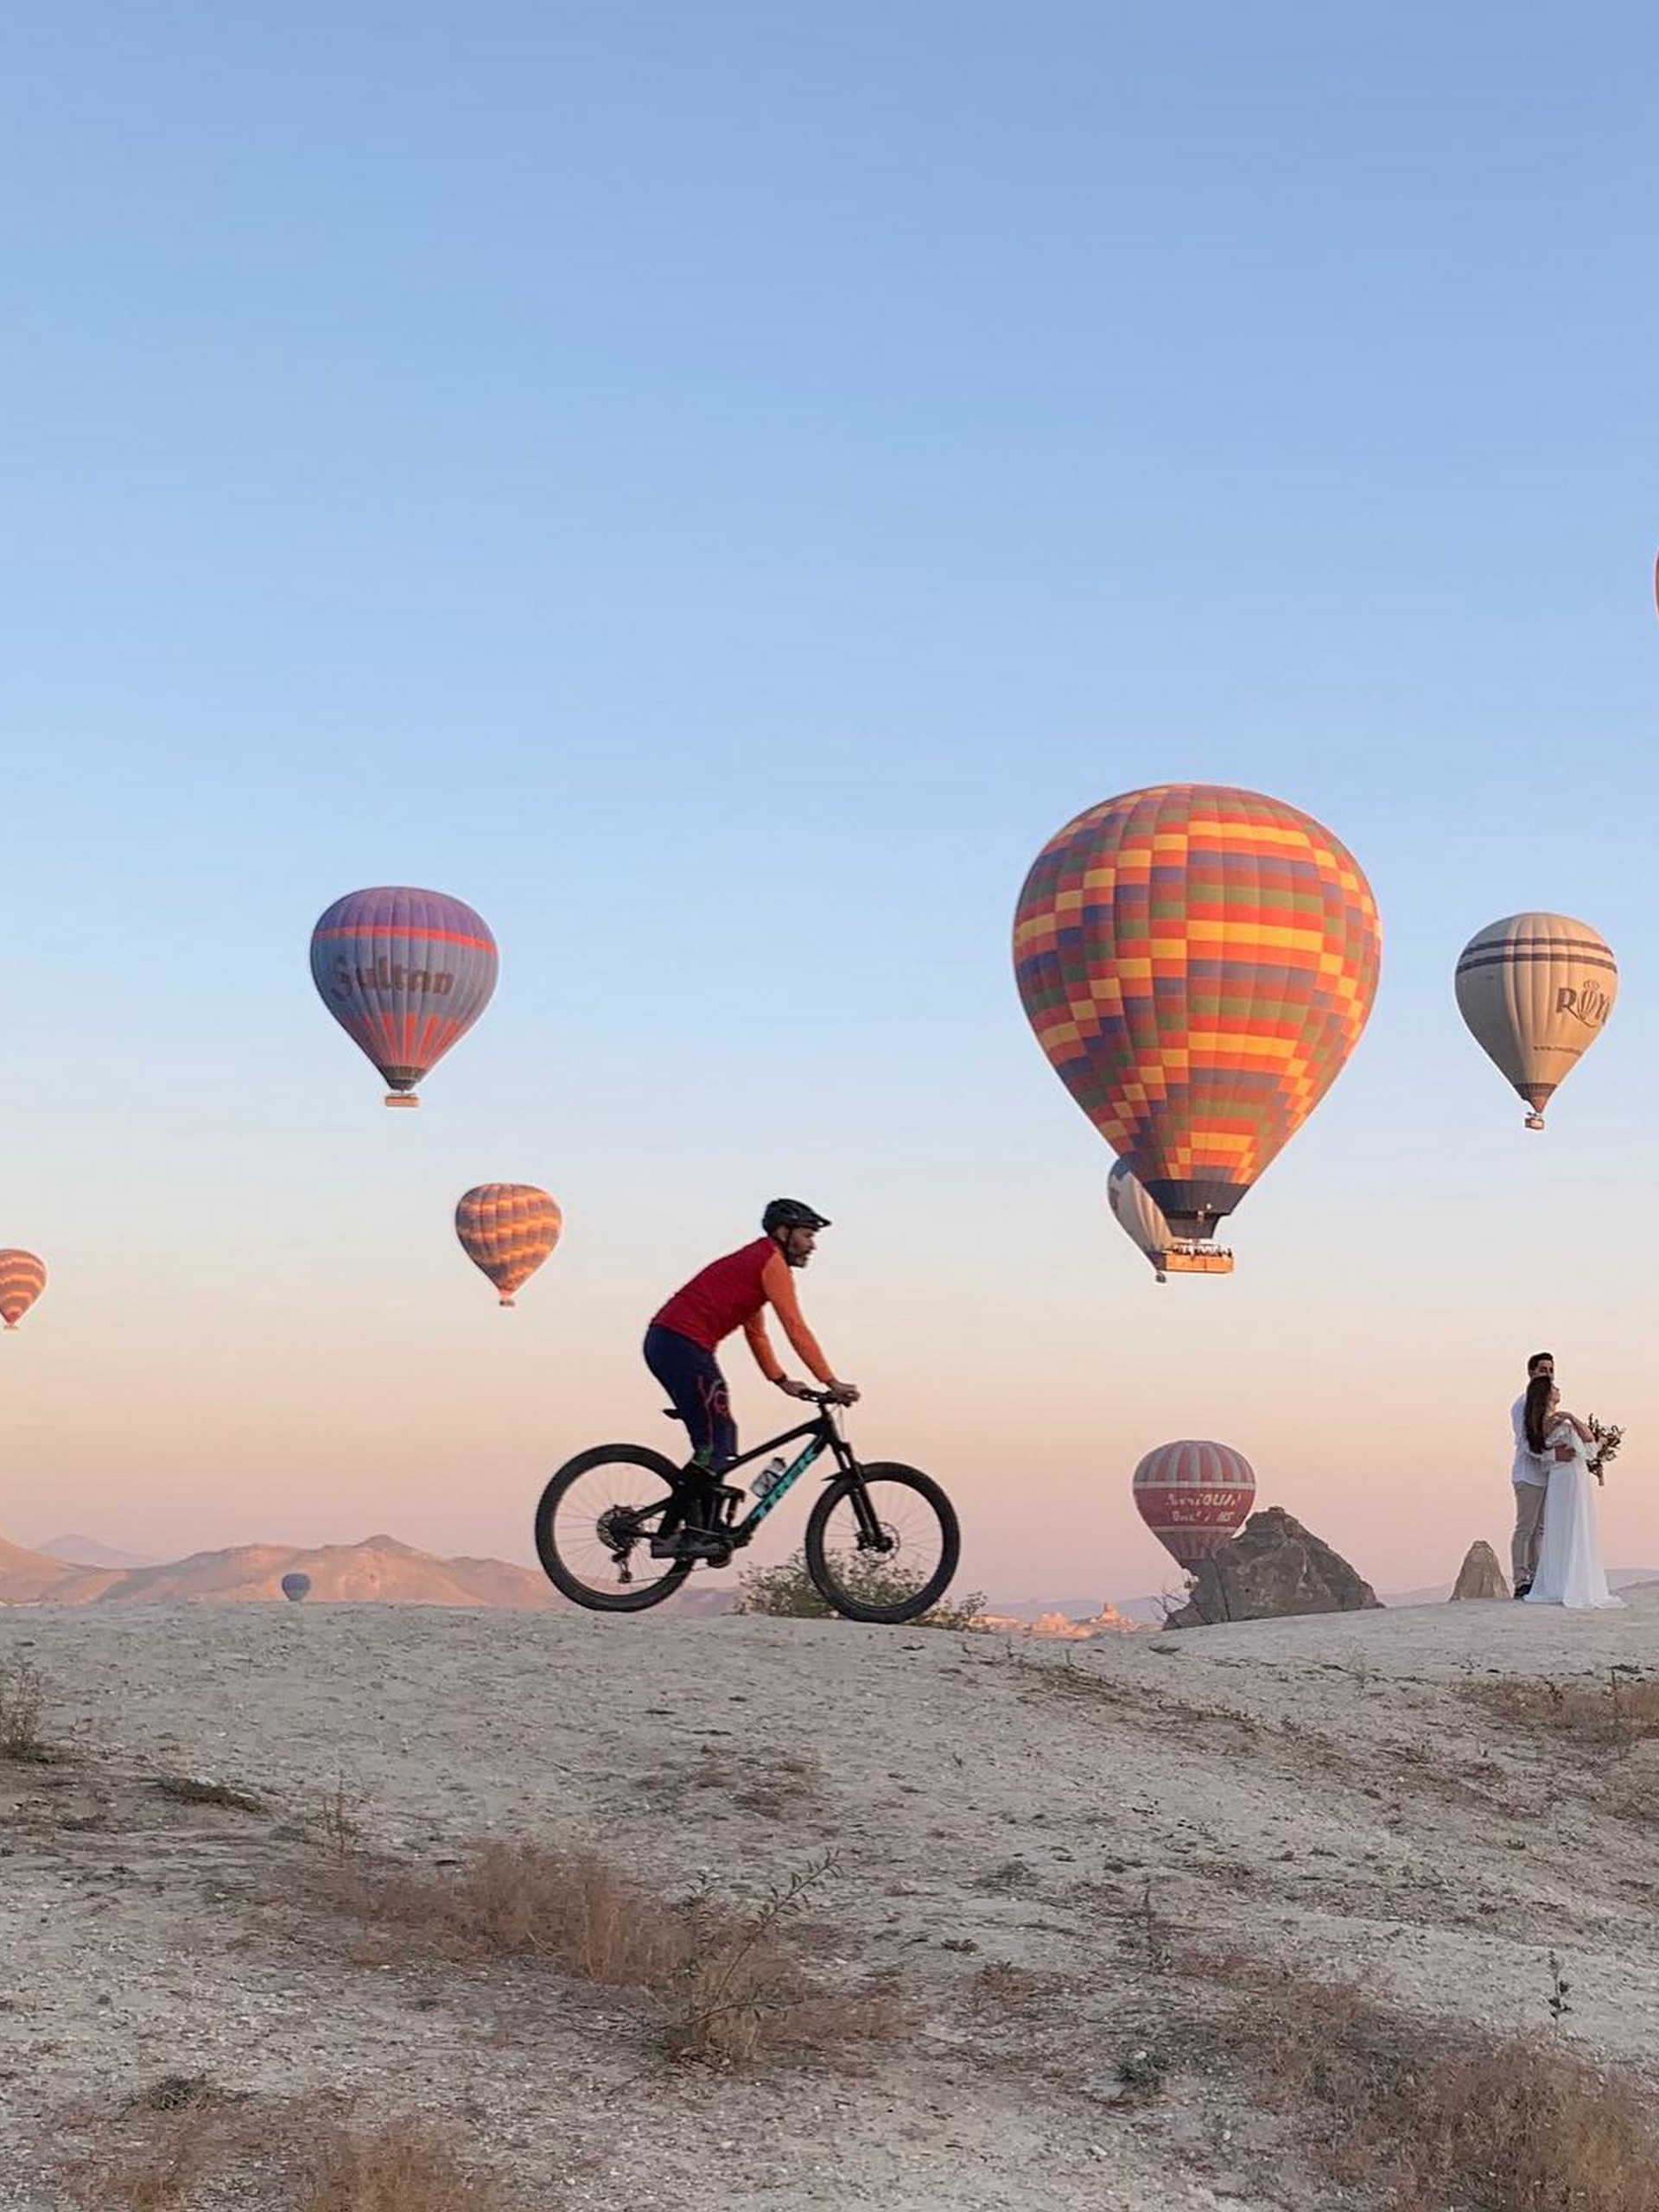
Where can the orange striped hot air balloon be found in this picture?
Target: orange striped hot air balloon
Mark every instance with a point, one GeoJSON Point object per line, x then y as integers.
{"type": "Point", "coordinates": [22, 1278]}
{"type": "Point", "coordinates": [507, 1230]}
{"type": "Point", "coordinates": [1198, 963]}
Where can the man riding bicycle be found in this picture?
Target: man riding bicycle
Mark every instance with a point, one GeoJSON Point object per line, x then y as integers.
{"type": "Point", "coordinates": [732, 1293]}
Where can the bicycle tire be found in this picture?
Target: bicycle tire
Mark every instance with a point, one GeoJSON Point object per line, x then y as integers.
{"type": "Point", "coordinates": [928, 1593]}
{"type": "Point", "coordinates": [628, 1597]}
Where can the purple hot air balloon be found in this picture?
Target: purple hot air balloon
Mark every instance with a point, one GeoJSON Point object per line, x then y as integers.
{"type": "Point", "coordinates": [404, 973]}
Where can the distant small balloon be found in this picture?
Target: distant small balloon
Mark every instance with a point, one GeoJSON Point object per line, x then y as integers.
{"type": "Point", "coordinates": [404, 973]}
{"type": "Point", "coordinates": [22, 1278]}
{"type": "Point", "coordinates": [506, 1231]}
{"type": "Point", "coordinates": [296, 1586]}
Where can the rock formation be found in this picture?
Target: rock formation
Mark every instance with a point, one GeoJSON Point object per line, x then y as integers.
{"type": "Point", "coordinates": [1480, 1575]}
{"type": "Point", "coordinates": [1273, 1566]}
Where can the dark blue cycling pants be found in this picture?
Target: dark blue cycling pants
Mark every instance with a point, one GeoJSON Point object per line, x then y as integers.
{"type": "Point", "coordinates": [692, 1378]}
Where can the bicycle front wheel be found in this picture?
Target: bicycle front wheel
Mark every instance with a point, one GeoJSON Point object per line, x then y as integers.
{"type": "Point", "coordinates": [594, 1527]}
{"type": "Point", "coordinates": [882, 1544]}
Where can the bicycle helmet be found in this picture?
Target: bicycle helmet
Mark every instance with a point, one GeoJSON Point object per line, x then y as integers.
{"type": "Point", "coordinates": [789, 1213]}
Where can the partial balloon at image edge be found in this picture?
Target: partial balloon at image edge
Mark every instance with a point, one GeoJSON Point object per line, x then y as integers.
{"type": "Point", "coordinates": [23, 1280]}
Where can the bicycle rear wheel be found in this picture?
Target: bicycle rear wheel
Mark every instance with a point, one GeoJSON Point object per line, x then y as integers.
{"type": "Point", "coordinates": [882, 1544]}
{"type": "Point", "coordinates": [593, 1526]}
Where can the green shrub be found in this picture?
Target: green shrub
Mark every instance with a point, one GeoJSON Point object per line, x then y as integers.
{"type": "Point", "coordinates": [788, 1592]}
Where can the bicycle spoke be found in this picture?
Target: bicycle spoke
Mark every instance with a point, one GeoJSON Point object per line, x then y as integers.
{"type": "Point", "coordinates": [594, 1525]}
{"type": "Point", "coordinates": [882, 1546]}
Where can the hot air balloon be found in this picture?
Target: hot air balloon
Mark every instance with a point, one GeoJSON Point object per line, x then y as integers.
{"type": "Point", "coordinates": [1193, 1495]}
{"type": "Point", "coordinates": [508, 1230]}
{"type": "Point", "coordinates": [404, 973]}
{"type": "Point", "coordinates": [1198, 963]}
{"type": "Point", "coordinates": [1144, 1224]}
{"type": "Point", "coordinates": [296, 1586]}
{"type": "Point", "coordinates": [1536, 990]}
{"type": "Point", "coordinates": [22, 1278]}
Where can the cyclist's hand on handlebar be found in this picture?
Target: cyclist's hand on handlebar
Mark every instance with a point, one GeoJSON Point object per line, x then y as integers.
{"type": "Point", "coordinates": [793, 1389]}
{"type": "Point", "coordinates": [842, 1394]}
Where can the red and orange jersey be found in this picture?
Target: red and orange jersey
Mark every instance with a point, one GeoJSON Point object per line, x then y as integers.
{"type": "Point", "coordinates": [733, 1292]}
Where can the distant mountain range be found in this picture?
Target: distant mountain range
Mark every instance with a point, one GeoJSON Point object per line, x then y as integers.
{"type": "Point", "coordinates": [87, 1551]}
{"type": "Point", "coordinates": [380, 1571]}
{"type": "Point", "coordinates": [79, 1571]}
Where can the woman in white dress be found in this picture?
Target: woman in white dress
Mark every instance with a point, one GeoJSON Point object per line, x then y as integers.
{"type": "Point", "coordinates": [1569, 1558]}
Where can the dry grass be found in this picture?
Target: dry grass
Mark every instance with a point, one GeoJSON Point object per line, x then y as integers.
{"type": "Point", "coordinates": [182, 2143]}
{"type": "Point", "coordinates": [1011, 1874]}
{"type": "Point", "coordinates": [730, 1986]}
{"type": "Point", "coordinates": [776, 1785]}
{"type": "Point", "coordinates": [23, 1703]}
{"type": "Point", "coordinates": [1000, 1985]}
{"type": "Point", "coordinates": [1633, 1792]}
{"type": "Point", "coordinates": [1606, 1716]}
{"type": "Point", "coordinates": [1431, 2119]}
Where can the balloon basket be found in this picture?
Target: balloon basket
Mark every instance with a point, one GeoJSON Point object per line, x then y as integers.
{"type": "Point", "coordinates": [401, 1098]}
{"type": "Point", "coordinates": [508, 1301]}
{"type": "Point", "coordinates": [1534, 1121]}
{"type": "Point", "coordinates": [1195, 1260]}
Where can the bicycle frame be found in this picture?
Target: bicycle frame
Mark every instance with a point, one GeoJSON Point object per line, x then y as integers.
{"type": "Point", "coordinates": [824, 1436]}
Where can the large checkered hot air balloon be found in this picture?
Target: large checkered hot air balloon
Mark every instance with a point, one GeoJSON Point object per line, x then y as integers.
{"type": "Point", "coordinates": [507, 1230]}
{"type": "Point", "coordinates": [404, 973]}
{"type": "Point", "coordinates": [1198, 963]}
{"type": "Point", "coordinates": [22, 1278]}
{"type": "Point", "coordinates": [1193, 1495]}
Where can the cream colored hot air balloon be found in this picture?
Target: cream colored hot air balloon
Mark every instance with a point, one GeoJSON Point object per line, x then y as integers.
{"type": "Point", "coordinates": [1536, 990]}
{"type": "Point", "coordinates": [1143, 1222]}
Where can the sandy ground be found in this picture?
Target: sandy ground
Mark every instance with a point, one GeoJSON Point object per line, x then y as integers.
{"type": "Point", "coordinates": [1322, 1790]}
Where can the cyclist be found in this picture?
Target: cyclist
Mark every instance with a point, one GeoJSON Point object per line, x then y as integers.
{"type": "Point", "coordinates": [732, 1293]}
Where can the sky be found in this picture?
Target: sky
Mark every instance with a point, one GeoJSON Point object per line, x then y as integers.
{"type": "Point", "coordinates": [717, 488]}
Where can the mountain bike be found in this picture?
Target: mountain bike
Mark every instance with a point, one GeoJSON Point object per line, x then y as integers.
{"type": "Point", "coordinates": [882, 1541]}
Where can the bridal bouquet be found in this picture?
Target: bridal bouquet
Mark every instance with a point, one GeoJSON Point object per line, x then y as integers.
{"type": "Point", "coordinates": [1608, 1440]}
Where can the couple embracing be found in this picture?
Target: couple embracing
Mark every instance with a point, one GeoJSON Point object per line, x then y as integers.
{"type": "Point", "coordinates": [1556, 1553]}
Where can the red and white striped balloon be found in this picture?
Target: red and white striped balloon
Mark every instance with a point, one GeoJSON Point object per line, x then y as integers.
{"type": "Point", "coordinates": [1192, 1496]}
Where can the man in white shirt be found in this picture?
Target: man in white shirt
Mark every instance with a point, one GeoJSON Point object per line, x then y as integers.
{"type": "Point", "coordinates": [1531, 1475]}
